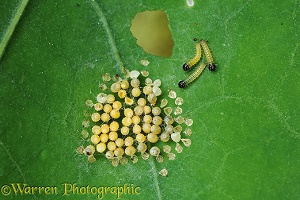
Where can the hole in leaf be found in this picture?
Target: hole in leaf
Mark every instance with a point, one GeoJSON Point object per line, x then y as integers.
{"type": "Point", "coordinates": [151, 29]}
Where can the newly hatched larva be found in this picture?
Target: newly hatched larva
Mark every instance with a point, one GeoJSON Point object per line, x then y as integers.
{"type": "Point", "coordinates": [188, 65]}
{"type": "Point", "coordinates": [192, 77]}
{"type": "Point", "coordinates": [209, 58]}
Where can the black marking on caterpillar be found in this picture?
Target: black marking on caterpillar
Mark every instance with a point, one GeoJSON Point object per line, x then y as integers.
{"type": "Point", "coordinates": [192, 77]}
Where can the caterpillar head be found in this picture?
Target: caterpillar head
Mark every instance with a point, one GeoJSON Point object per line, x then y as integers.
{"type": "Point", "coordinates": [185, 67]}
{"type": "Point", "coordinates": [181, 84]}
{"type": "Point", "coordinates": [212, 67]}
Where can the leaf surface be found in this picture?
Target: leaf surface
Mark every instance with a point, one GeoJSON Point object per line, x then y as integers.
{"type": "Point", "coordinates": [246, 131]}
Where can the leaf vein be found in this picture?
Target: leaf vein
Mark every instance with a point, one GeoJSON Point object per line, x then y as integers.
{"type": "Point", "coordinates": [13, 160]}
{"type": "Point", "coordinates": [155, 178]}
{"type": "Point", "coordinates": [109, 35]}
{"type": "Point", "coordinates": [12, 26]}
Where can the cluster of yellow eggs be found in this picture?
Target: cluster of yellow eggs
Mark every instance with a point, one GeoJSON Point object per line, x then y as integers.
{"type": "Point", "coordinates": [127, 120]}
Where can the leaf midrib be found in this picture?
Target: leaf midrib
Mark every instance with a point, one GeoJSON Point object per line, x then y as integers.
{"type": "Point", "coordinates": [12, 26]}
{"type": "Point", "coordinates": [111, 41]}
{"type": "Point", "coordinates": [118, 59]}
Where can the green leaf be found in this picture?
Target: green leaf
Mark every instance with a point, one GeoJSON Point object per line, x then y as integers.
{"type": "Point", "coordinates": [246, 131]}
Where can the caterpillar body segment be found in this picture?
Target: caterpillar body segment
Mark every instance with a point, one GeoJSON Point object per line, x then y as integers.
{"type": "Point", "coordinates": [209, 58]}
{"type": "Point", "coordinates": [192, 77]}
{"type": "Point", "coordinates": [188, 65]}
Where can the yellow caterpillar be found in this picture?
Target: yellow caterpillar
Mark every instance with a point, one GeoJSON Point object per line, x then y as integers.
{"type": "Point", "coordinates": [188, 65]}
{"type": "Point", "coordinates": [192, 77]}
{"type": "Point", "coordinates": [209, 58]}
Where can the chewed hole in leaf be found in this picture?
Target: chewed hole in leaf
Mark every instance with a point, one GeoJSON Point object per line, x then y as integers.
{"type": "Point", "coordinates": [151, 29]}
